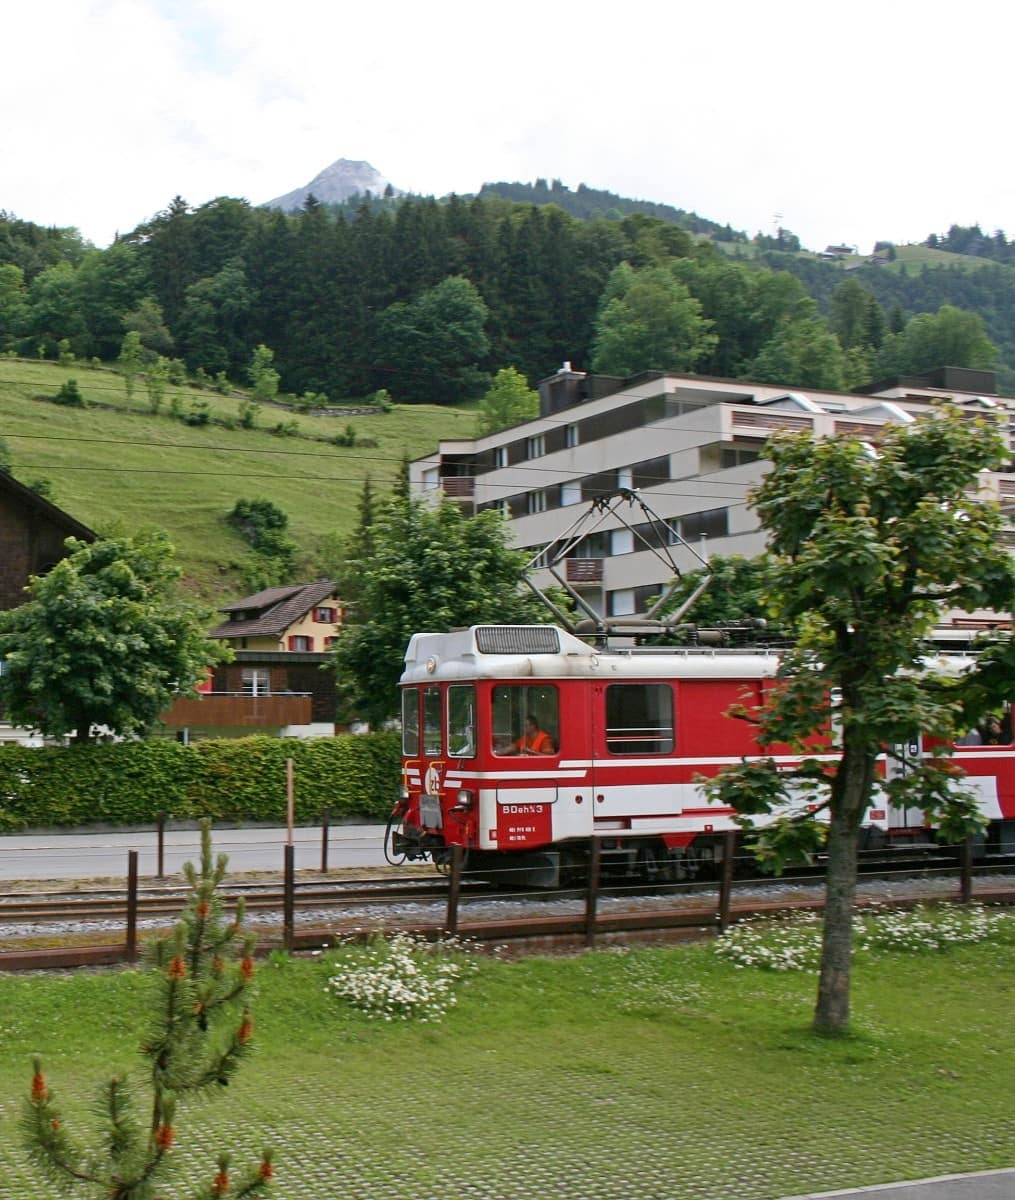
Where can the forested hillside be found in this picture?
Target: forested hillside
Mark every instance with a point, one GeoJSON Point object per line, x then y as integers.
{"type": "Point", "coordinates": [428, 299]}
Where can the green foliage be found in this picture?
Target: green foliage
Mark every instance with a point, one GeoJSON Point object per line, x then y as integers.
{"type": "Point", "coordinates": [430, 569]}
{"type": "Point", "coordinates": [65, 355]}
{"type": "Point", "coordinates": [148, 322]}
{"type": "Point", "coordinates": [103, 641]}
{"type": "Point", "coordinates": [241, 780]}
{"type": "Point", "coordinates": [155, 381]}
{"type": "Point", "coordinates": [437, 340]}
{"type": "Point", "coordinates": [69, 394]}
{"type": "Point", "coordinates": [509, 401]}
{"type": "Point", "coordinates": [949, 337]}
{"type": "Point", "coordinates": [263, 377]}
{"type": "Point", "coordinates": [131, 361]}
{"type": "Point", "coordinates": [200, 1031]}
{"type": "Point", "coordinates": [867, 547]}
{"type": "Point", "coordinates": [198, 414]}
{"type": "Point", "coordinates": [264, 526]}
{"type": "Point", "coordinates": [649, 320]}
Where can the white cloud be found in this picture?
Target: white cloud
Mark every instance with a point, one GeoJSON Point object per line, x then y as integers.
{"type": "Point", "coordinates": [872, 121]}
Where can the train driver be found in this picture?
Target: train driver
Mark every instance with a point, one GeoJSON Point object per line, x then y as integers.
{"type": "Point", "coordinates": [534, 740]}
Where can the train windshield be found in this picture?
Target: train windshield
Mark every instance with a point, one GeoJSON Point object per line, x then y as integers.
{"type": "Point", "coordinates": [462, 720]}
{"type": "Point", "coordinates": [525, 719]}
{"type": "Point", "coordinates": [410, 722]}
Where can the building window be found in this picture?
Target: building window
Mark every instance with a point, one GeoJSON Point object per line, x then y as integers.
{"type": "Point", "coordinates": [325, 616]}
{"type": "Point", "coordinates": [626, 602]}
{"type": "Point", "coordinates": [651, 471]}
{"type": "Point", "coordinates": [330, 641]}
{"type": "Point", "coordinates": [570, 436]}
{"type": "Point", "coordinates": [500, 456]}
{"type": "Point", "coordinates": [713, 522]}
{"type": "Point", "coordinates": [535, 447]}
{"type": "Point", "coordinates": [255, 681]}
{"type": "Point", "coordinates": [299, 641]}
{"type": "Point", "coordinates": [639, 718]}
{"type": "Point", "coordinates": [737, 456]}
{"type": "Point", "coordinates": [537, 502]}
{"type": "Point", "coordinates": [431, 478]}
{"type": "Point", "coordinates": [570, 492]}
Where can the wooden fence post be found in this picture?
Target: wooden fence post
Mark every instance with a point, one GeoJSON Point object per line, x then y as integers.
{"type": "Point", "coordinates": [289, 898]}
{"type": "Point", "coordinates": [324, 840]}
{"type": "Point", "coordinates": [729, 847]}
{"type": "Point", "coordinates": [592, 892]}
{"type": "Point", "coordinates": [160, 869]}
{"type": "Point", "coordinates": [130, 950]}
{"type": "Point", "coordinates": [290, 799]}
{"type": "Point", "coordinates": [966, 864]}
{"type": "Point", "coordinates": [454, 889]}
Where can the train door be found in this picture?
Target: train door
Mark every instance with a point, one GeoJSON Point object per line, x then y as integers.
{"type": "Point", "coordinates": [901, 758]}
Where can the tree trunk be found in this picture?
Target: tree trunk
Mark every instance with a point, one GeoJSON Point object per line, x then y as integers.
{"type": "Point", "coordinates": [850, 797]}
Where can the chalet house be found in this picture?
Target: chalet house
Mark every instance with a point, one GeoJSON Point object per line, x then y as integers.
{"type": "Point", "coordinates": [279, 682]}
{"type": "Point", "coordinates": [32, 535]}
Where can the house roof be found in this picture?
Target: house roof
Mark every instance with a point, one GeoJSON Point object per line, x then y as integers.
{"type": "Point", "coordinates": [59, 518]}
{"type": "Point", "coordinates": [272, 611]}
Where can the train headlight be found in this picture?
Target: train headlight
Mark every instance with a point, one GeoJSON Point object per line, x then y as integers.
{"type": "Point", "coordinates": [465, 802]}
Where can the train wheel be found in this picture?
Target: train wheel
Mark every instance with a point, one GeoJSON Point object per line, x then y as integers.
{"type": "Point", "coordinates": [653, 862]}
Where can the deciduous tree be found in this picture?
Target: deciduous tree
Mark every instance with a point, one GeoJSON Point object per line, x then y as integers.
{"type": "Point", "coordinates": [103, 642]}
{"type": "Point", "coordinates": [869, 543]}
{"type": "Point", "coordinates": [509, 401]}
{"type": "Point", "coordinates": [430, 569]}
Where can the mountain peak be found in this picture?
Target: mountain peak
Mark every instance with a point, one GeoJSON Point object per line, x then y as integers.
{"type": "Point", "coordinates": [345, 177]}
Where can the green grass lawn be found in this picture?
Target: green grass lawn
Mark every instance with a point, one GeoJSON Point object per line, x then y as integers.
{"type": "Point", "coordinates": [116, 464]}
{"type": "Point", "coordinates": [651, 1073]}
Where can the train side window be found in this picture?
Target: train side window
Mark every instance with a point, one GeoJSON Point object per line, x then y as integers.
{"type": "Point", "coordinates": [461, 721]}
{"type": "Point", "coordinates": [410, 722]}
{"type": "Point", "coordinates": [431, 721]}
{"type": "Point", "coordinates": [639, 718]}
{"type": "Point", "coordinates": [525, 719]}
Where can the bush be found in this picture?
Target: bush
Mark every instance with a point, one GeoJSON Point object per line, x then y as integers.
{"type": "Point", "coordinates": [70, 394]}
{"type": "Point", "coordinates": [198, 414]}
{"type": "Point", "coordinates": [225, 780]}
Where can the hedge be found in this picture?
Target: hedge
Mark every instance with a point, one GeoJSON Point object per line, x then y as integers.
{"type": "Point", "coordinates": [353, 776]}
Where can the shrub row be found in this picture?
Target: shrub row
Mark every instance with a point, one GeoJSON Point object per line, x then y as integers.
{"type": "Point", "coordinates": [225, 780]}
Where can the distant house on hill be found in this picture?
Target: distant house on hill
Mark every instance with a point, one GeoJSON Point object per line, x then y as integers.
{"type": "Point", "coordinates": [32, 535]}
{"type": "Point", "coordinates": [278, 682]}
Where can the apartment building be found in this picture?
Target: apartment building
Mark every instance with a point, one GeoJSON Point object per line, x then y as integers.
{"type": "Point", "coordinates": [690, 446]}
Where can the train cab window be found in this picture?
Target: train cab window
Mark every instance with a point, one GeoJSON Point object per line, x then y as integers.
{"type": "Point", "coordinates": [525, 719]}
{"type": "Point", "coordinates": [639, 718]}
{"type": "Point", "coordinates": [410, 722]}
{"type": "Point", "coordinates": [462, 720]}
{"type": "Point", "coordinates": [432, 721]}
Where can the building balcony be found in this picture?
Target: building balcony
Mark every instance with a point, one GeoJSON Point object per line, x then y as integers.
{"type": "Point", "coordinates": [458, 487]}
{"type": "Point", "coordinates": [240, 710]}
{"type": "Point", "coordinates": [584, 570]}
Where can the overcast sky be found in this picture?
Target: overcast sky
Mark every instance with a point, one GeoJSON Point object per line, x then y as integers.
{"type": "Point", "coordinates": [853, 122]}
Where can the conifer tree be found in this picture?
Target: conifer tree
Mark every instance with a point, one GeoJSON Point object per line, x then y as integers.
{"type": "Point", "coordinates": [200, 1031]}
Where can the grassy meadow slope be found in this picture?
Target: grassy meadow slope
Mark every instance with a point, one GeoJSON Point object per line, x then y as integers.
{"type": "Point", "coordinates": [116, 465]}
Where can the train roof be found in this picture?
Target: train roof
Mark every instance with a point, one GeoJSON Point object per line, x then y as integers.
{"type": "Point", "coordinates": [547, 652]}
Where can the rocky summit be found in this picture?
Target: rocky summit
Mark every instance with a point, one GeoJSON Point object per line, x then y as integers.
{"type": "Point", "coordinates": [335, 184]}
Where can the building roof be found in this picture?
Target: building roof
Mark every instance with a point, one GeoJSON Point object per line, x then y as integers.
{"type": "Point", "coordinates": [46, 508]}
{"type": "Point", "coordinates": [271, 611]}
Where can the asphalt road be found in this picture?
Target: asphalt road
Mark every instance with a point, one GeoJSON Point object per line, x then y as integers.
{"type": "Point", "coordinates": [105, 855]}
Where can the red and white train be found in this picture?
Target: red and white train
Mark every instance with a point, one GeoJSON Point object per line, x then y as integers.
{"type": "Point", "coordinates": [523, 743]}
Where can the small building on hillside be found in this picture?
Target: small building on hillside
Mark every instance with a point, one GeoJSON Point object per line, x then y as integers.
{"type": "Point", "coordinates": [32, 535]}
{"type": "Point", "coordinates": [279, 682]}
